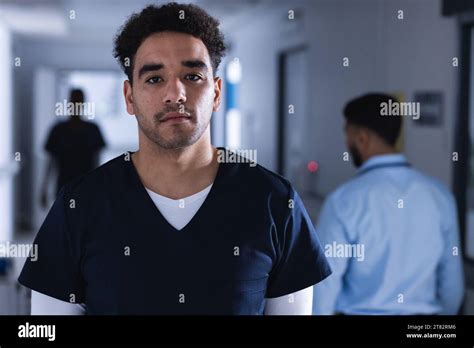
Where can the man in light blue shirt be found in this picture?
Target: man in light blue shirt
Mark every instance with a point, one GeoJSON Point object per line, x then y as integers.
{"type": "Point", "coordinates": [390, 233]}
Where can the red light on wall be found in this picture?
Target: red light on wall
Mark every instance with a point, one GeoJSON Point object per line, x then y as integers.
{"type": "Point", "coordinates": [313, 166]}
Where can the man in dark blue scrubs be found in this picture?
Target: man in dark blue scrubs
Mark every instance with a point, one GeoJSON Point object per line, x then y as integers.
{"type": "Point", "coordinates": [111, 241]}
{"type": "Point", "coordinates": [73, 147]}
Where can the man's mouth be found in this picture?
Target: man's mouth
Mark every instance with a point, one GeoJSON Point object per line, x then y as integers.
{"type": "Point", "coordinates": [175, 117]}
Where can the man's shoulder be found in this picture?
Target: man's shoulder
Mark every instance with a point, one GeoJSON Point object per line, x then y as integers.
{"type": "Point", "coordinates": [92, 126]}
{"type": "Point", "coordinates": [58, 126]}
{"type": "Point", "coordinates": [362, 185]}
{"type": "Point", "coordinates": [274, 181]}
{"type": "Point", "coordinates": [258, 179]}
{"type": "Point", "coordinates": [440, 191]}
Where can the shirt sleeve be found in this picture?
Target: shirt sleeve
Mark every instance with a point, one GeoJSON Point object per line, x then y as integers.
{"type": "Point", "coordinates": [331, 230]}
{"type": "Point", "coordinates": [300, 260]}
{"type": "Point", "coordinates": [46, 305]}
{"type": "Point", "coordinates": [298, 303]}
{"type": "Point", "coordinates": [54, 269]}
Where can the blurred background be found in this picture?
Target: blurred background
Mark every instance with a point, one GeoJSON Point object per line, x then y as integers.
{"type": "Point", "coordinates": [329, 52]}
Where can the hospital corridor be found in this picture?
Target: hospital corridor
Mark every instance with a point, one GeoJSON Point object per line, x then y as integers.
{"type": "Point", "coordinates": [245, 157]}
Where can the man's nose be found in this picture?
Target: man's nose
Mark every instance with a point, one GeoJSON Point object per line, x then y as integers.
{"type": "Point", "coordinates": [175, 92]}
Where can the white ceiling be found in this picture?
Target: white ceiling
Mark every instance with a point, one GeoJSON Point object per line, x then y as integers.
{"type": "Point", "coordinates": [99, 20]}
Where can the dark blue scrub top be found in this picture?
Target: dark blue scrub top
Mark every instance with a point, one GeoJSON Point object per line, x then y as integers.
{"type": "Point", "coordinates": [105, 244]}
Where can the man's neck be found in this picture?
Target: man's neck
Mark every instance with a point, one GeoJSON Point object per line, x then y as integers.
{"type": "Point", "coordinates": [385, 151]}
{"type": "Point", "coordinates": [177, 173]}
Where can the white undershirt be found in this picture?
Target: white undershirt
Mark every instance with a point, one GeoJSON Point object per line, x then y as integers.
{"type": "Point", "coordinates": [178, 213]}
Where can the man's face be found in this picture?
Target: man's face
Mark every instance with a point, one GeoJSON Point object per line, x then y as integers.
{"type": "Point", "coordinates": [351, 136]}
{"type": "Point", "coordinates": [174, 92]}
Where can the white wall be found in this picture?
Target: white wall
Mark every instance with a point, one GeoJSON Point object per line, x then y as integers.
{"type": "Point", "coordinates": [44, 82]}
{"type": "Point", "coordinates": [339, 29]}
{"type": "Point", "coordinates": [420, 58]}
{"type": "Point", "coordinates": [6, 136]}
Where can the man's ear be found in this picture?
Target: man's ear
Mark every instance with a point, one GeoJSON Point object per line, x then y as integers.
{"type": "Point", "coordinates": [217, 93]}
{"type": "Point", "coordinates": [127, 93]}
{"type": "Point", "coordinates": [364, 137]}
{"type": "Point", "coordinates": [360, 136]}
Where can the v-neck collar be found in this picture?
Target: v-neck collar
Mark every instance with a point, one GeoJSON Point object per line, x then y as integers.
{"type": "Point", "coordinates": [150, 210]}
{"type": "Point", "coordinates": [174, 203]}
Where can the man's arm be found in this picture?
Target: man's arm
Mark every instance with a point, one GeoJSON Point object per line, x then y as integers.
{"type": "Point", "coordinates": [45, 305]}
{"type": "Point", "coordinates": [450, 273]}
{"type": "Point", "coordinates": [330, 229]}
{"type": "Point", "coordinates": [297, 303]}
{"type": "Point", "coordinates": [50, 167]}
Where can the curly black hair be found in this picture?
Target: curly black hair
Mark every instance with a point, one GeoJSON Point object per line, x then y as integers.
{"type": "Point", "coordinates": [182, 18]}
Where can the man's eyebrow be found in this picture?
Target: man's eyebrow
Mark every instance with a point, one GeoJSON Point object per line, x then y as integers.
{"type": "Point", "coordinates": [149, 67]}
{"type": "Point", "coordinates": [194, 64]}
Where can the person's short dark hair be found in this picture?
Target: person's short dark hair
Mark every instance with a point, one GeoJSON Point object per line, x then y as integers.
{"type": "Point", "coordinates": [182, 18]}
{"type": "Point", "coordinates": [365, 111]}
{"type": "Point", "coordinates": [76, 95]}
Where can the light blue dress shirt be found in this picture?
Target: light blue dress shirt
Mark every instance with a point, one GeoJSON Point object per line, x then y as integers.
{"type": "Point", "coordinates": [391, 237]}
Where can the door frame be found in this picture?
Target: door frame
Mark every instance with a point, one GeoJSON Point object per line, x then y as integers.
{"type": "Point", "coordinates": [461, 134]}
{"type": "Point", "coordinates": [281, 107]}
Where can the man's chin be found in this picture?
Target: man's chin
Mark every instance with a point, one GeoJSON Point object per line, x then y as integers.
{"type": "Point", "coordinates": [175, 143]}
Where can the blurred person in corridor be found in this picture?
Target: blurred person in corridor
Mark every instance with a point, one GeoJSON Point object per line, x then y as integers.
{"type": "Point", "coordinates": [390, 233]}
{"type": "Point", "coordinates": [73, 147]}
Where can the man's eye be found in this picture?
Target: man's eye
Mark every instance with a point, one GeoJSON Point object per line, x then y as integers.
{"type": "Point", "coordinates": [193, 77]}
{"type": "Point", "coordinates": [153, 80]}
